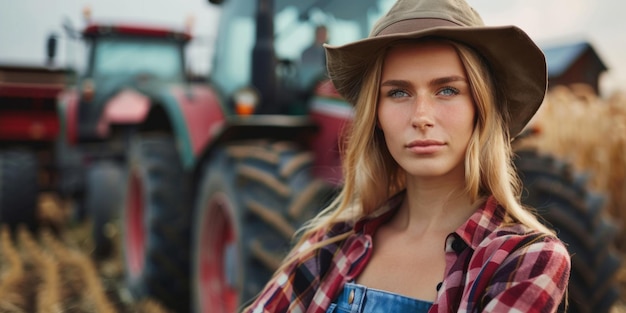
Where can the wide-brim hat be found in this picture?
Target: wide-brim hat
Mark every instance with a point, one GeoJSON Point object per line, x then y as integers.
{"type": "Point", "coordinates": [517, 64]}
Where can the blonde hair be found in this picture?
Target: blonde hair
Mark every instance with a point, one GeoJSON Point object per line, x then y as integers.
{"type": "Point", "coordinates": [371, 175]}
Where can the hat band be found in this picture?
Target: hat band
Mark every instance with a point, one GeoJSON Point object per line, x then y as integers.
{"type": "Point", "coordinates": [415, 24]}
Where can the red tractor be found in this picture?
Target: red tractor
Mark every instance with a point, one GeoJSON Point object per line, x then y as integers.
{"type": "Point", "coordinates": [135, 93]}
{"type": "Point", "coordinates": [133, 127]}
{"type": "Point", "coordinates": [219, 175]}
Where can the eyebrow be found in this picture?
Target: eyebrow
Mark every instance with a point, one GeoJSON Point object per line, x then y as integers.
{"type": "Point", "coordinates": [396, 83]}
{"type": "Point", "coordinates": [434, 82]}
{"type": "Point", "coordinates": [447, 79]}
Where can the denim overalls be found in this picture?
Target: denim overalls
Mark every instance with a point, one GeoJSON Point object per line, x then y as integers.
{"type": "Point", "coordinates": [359, 299]}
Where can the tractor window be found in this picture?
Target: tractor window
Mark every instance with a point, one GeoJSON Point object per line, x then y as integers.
{"type": "Point", "coordinates": [161, 59]}
{"type": "Point", "coordinates": [295, 23]}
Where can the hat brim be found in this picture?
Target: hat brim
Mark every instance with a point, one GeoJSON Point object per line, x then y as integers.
{"type": "Point", "coordinates": [518, 65]}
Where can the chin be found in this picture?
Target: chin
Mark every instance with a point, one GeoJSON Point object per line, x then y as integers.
{"type": "Point", "coordinates": [430, 170]}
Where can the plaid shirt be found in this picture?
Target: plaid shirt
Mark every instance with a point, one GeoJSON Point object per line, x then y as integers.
{"type": "Point", "coordinates": [490, 266]}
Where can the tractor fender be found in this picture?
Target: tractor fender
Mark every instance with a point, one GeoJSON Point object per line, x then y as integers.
{"type": "Point", "coordinates": [195, 116]}
{"type": "Point", "coordinates": [193, 111]}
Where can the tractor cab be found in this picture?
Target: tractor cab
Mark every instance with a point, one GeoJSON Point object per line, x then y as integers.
{"type": "Point", "coordinates": [126, 57]}
{"type": "Point", "coordinates": [135, 51]}
{"type": "Point", "coordinates": [261, 46]}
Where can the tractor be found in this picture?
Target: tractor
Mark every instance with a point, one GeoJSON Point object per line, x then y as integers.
{"type": "Point", "coordinates": [215, 177]}
{"type": "Point", "coordinates": [135, 91]}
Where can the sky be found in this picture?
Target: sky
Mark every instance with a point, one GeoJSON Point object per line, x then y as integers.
{"type": "Point", "coordinates": [25, 24]}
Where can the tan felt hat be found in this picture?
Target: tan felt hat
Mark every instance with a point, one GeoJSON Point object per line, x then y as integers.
{"type": "Point", "coordinates": [517, 64]}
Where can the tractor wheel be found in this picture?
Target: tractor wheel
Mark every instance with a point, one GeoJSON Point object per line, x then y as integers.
{"type": "Point", "coordinates": [252, 198]}
{"type": "Point", "coordinates": [103, 196]}
{"type": "Point", "coordinates": [156, 223]}
{"type": "Point", "coordinates": [563, 201]}
{"type": "Point", "coordinates": [18, 188]}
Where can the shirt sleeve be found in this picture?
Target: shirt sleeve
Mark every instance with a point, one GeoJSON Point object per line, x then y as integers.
{"type": "Point", "coordinates": [533, 278]}
{"type": "Point", "coordinates": [289, 289]}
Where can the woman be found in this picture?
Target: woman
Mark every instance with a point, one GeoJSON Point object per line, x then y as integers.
{"type": "Point", "coordinates": [429, 218]}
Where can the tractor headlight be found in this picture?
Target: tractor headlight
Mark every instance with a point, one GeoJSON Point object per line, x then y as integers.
{"type": "Point", "coordinates": [246, 100]}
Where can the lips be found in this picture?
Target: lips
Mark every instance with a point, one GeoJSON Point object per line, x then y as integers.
{"type": "Point", "coordinates": [426, 146]}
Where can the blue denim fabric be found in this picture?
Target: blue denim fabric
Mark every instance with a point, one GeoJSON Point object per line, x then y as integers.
{"type": "Point", "coordinates": [366, 300]}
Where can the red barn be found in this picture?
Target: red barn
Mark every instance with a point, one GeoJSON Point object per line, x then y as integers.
{"type": "Point", "coordinates": [574, 63]}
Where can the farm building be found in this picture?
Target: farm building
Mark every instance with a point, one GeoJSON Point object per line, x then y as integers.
{"type": "Point", "coordinates": [574, 63]}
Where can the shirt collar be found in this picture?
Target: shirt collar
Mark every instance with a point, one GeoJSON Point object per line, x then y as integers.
{"type": "Point", "coordinates": [481, 223]}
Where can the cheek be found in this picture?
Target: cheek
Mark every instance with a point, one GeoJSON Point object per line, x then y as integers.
{"type": "Point", "coordinates": [390, 117]}
{"type": "Point", "coordinates": [388, 124]}
{"type": "Point", "coordinates": [460, 117]}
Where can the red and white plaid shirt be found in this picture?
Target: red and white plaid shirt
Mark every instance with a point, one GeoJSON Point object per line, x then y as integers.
{"type": "Point", "coordinates": [490, 267]}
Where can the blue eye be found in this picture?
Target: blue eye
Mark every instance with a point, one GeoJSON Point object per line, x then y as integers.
{"type": "Point", "coordinates": [397, 93]}
{"type": "Point", "coordinates": [448, 91]}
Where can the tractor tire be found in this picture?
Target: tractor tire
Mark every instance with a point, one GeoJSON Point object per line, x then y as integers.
{"type": "Point", "coordinates": [103, 197]}
{"type": "Point", "coordinates": [156, 223]}
{"type": "Point", "coordinates": [252, 197]}
{"type": "Point", "coordinates": [19, 188]}
{"type": "Point", "coordinates": [561, 198]}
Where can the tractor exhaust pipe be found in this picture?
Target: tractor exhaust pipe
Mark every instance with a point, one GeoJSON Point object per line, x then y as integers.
{"type": "Point", "coordinates": [264, 59]}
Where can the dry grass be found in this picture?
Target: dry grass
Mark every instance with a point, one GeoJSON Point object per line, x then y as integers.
{"type": "Point", "coordinates": [52, 271]}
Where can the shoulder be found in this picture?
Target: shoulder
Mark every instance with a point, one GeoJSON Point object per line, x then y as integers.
{"type": "Point", "coordinates": [519, 237]}
{"type": "Point", "coordinates": [517, 241]}
{"type": "Point", "coordinates": [514, 267]}
{"type": "Point", "coordinates": [537, 252]}
{"type": "Point", "coordinates": [515, 253]}
{"type": "Point", "coordinates": [529, 271]}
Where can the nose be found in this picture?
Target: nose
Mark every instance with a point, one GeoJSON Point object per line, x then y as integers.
{"type": "Point", "coordinates": [422, 117]}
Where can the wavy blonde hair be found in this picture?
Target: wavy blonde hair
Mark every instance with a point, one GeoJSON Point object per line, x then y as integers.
{"type": "Point", "coordinates": [371, 175]}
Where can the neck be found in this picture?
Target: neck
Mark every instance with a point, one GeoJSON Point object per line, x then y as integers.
{"type": "Point", "coordinates": [434, 206]}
